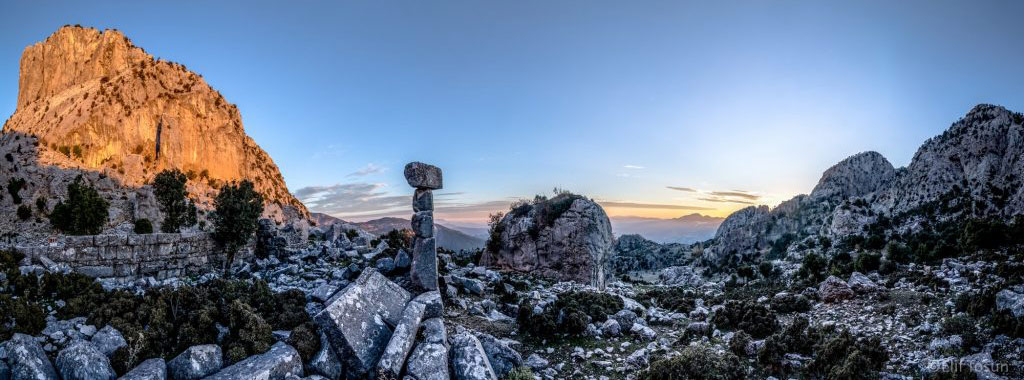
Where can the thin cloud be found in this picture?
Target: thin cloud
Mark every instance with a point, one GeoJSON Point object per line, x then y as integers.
{"type": "Point", "coordinates": [634, 167]}
{"type": "Point", "coordinates": [652, 206]}
{"type": "Point", "coordinates": [366, 201]}
{"type": "Point", "coordinates": [736, 194]}
{"type": "Point", "coordinates": [726, 200]}
{"type": "Point", "coordinates": [686, 189]}
{"type": "Point", "coordinates": [367, 170]}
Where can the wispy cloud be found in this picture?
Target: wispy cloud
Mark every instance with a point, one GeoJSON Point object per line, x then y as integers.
{"type": "Point", "coordinates": [367, 170]}
{"type": "Point", "coordinates": [736, 194]}
{"type": "Point", "coordinates": [726, 200]}
{"type": "Point", "coordinates": [365, 201]}
{"type": "Point", "coordinates": [651, 206]}
{"type": "Point", "coordinates": [634, 167]}
{"type": "Point", "coordinates": [686, 189]}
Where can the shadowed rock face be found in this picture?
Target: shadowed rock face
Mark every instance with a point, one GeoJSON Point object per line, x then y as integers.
{"type": "Point", "coordinates": [573, 247]}
{"type": "Point", "coordinates": [97, 102]}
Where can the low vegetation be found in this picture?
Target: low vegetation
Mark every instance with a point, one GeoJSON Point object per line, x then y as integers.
{"type": "Point", "coordinates": [696, 363]}
{"type": "Point", "coordinates": [569, 314]}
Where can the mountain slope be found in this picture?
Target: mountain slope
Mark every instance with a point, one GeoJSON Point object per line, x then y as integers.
{"type": "Point", "coordinates": [96, 102]}
{"type": "Point", "coordinates": [446, 237]}
{"type": "Point", "coordinates": [684, 229]}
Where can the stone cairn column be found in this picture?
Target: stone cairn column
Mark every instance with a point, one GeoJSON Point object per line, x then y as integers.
{"type": "Point", "coordinates": [425, 178]}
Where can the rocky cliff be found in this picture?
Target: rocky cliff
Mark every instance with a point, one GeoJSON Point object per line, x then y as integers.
{"type": "Point", "coordinates": [95, 102]}
{"type": "Point", "coordinates": [567, 238]}
{"type": "Point", "coordinates": [973, 169]}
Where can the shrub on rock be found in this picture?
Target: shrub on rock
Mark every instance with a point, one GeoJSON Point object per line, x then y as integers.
{"type": "Point", "coordinates": [749, 316]}
{"type": "Point", "coordinates": [306, 340]}
{"type": "Point", "coordinates": [696, 363]}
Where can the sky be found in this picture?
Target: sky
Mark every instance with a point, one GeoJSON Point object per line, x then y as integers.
{"type": "Point", "coordinates": [655, 109]}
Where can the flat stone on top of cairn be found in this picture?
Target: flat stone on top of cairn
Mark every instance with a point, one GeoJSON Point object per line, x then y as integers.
{"type": "Point", "coordinates": [425, 178]}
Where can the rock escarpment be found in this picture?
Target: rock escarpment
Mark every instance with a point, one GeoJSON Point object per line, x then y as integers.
{"type": "Point", "coordinates": [567, 238]}
{"type": "Point", "coordinates": [94, 102]}
{"type": "Point", "coordinates": [972, 170]}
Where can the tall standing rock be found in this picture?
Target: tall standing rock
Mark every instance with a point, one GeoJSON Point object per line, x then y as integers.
{"type": "Point", "coordinates": [425, 178]}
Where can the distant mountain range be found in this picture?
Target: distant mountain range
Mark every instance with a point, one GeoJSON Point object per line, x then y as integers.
{"type": "Point", "coordinates": [446, 237]}
{"type": "Point", "coordinates": [684, 229]}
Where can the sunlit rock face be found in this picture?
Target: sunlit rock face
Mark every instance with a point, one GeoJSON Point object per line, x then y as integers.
{"type": "Point", "coordinates": [570, 244]}
{"type": "Point", "coordinates": [855, 176]}
{"type": "Point", "coordinates": [97, 102]}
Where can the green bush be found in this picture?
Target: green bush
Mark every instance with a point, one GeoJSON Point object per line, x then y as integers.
{"type": "Point", "coordinates": [20, 316]}
{"type": "Point", "coordinates": [493, 244]}
{"type": "Point", "coordinates": [143, 226]}
{"type": "Point", "coordinates": [24, 212]}
{"type": "Point", "coordinates": [14, 186]}
{"type": "Point", "coordinates": [569, 314]}
{"type": "Point", "coordinates": [169, 189]}
{"type": "Point", "coordinates": [249, 331]}
{"type": "Point", "coordinates": [842, 356]}
{"type": "Point", "coordinates": [696, 363]}
{"type": "Point", "coordinates": [813, 268]}
{"type": "Point", "coordinates": [83, 213]}
{"type": "Point", "coordinates": [237, 208]}
{"type": "Point", "coordinates": [41, 204]}
{"type": "Point", "coordinates": [867, 262]}
{"type": "Point", "coordinates": [306, 340]}
{"type": "Point", "coordinates": [672, 298]}
{"type": "Point", "coordinates": [738, 343]}
{"type": "Point", "coordinates": [752, 317]}
{"type": "Point", "coordinates": [520, 373]}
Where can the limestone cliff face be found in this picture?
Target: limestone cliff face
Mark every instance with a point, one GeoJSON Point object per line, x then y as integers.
{"type": "Point", "coordinates": [96, 102]}
{"type": "Point", "coordinates": [570, 244]}
{"type": "Point", "coordinates": [857, 175]}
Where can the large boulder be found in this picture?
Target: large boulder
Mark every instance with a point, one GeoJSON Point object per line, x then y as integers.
{"type": "Point", "coordinates": [108, 340]}
{"type": "Point", "coordinates": [834, 290]}
{"type": "Point", "coordinates": [277, 363]}
{"type": "Point", "coordinates": [566, 238]}
{"type": "Point", "coordinates": [358, 320]}
{"type": "Point", "coordinates": [196, 362]}
{"type": "Point", "coordinates": [152, 369]}
{"type": "Point", "coordinates": [81, 360]}
{"type": "Point", "coordinates": [27, 359]}
{"type": "Point", "coordinates": [469, 361]}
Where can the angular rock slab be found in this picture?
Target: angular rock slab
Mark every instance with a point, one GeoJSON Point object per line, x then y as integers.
{"type": "Point", "coordinates": [326, 363]}
{"type": "Point", "coordinates": [432, 301]}
{"type": "Point", "coordinates": [469, 360]}
{"type": "Point", "coordinates": [358, 320]}
{"type": "Point", "coordinates": [423, 176]}
{"type": "Point", "coordinates": [391, 362]}
{"type": "Point", "coordinates": [424, 264]}
{"type": "Point", "coordinates": [434, 331]}
{"type": "Point", "coordinates": [429, 361]}
{"type": "Point", "coordinates": [423, 224]}
{"type": "Point", "coordinates": [422, 200]}
{"type": "Point", "coordinates": [27, 359]}
{"type": "Point", "coordinates": [152, 369]}
{"type": "Point", "coordinates": [277, 363]}
{"type": "Point", "coordinates": [196, 362]}
{"type": "Point", "coordinates": [500, 354]}
{"type": "Point", "coordinates": [81, 360]}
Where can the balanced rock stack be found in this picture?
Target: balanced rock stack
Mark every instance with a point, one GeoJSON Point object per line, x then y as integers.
{"type": "Point", "coordinates": [425, 178]}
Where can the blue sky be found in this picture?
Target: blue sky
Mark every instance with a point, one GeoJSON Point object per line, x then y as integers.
{"type": "Point", "coordinates": [739, 101]}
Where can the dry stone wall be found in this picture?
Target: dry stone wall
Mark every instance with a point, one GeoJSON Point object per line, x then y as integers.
{"type": "Point", "coordinates": [159, 255]}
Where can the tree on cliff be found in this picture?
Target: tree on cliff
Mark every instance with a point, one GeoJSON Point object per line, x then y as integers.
{"type": "Point", "coordinates": [83, 213]}
{"type": "Point", "coordinates": [238, 208]}
{"type": "Point", "coordinates": [179, 211]}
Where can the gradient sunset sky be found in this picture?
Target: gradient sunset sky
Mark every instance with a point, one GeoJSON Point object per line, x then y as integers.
{"type": "Point", "coordinates": [654, 109]}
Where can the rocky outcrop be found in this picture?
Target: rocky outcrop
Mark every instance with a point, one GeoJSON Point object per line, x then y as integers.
{"type": "Point", "coordinates": [27, 359]}
{"type": "Point", "coordinates": [981, 155]}
{"type": "Point", "coordinates": [94, 102]}
{"type": "Point", "coordinates": [567, 238]}
{"type": "Point", "coordinates": [278, 363]}
{"type": "Point", "coordinates": [152, 369]}
{"type": "Point", "coordinates": [857, 175]}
